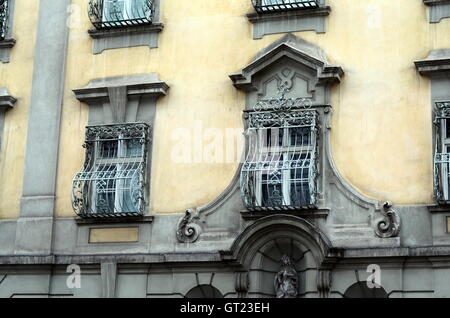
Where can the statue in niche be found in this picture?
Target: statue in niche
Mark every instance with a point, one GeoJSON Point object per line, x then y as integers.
{"type": "Point", "coordinates": [286, 280]}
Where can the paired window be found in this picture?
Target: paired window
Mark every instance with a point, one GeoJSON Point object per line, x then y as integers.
{"type": "Point", "coordinates": [280, 169]}
{"type": "Point", "coordinates": [106, 14]}
{"type": "Point", "coordinates": [263, 6]}
{"type": "Point", "coordinates": [442, 153]}
{"type": "Point", "coordinates": [113, 180]}
{"type": "Point", "coordinates": [4, 16]}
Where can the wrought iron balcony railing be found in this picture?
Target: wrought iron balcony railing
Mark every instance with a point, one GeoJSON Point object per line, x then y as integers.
{"type": "Point", "coordinates": [266, 6]}
{"type": "Point", "coordinates": [442, 176]}
{"type": "Point", "coordinates": [442, 152]}
{"type": "Point", "coordinates": [112, 183]}
{"type": "Point", "coordinates": [4, 16]}
{"type": "Point", "coordinates": [107, 14]}
{"type": "Point", "coordinates": [280, 169]}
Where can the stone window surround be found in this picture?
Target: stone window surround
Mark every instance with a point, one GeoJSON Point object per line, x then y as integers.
{"type": "Point", "coordinates": [131, 36]}
{"type": "Point", "coordinates": [436, 66]}
{"type": "Point", "coordinates": [8, 42]}
{"type": "Point", "coordinates": [290, 21]}
{"type": "Point", "coordinates": [124, 99]}
{"type": "Point", "coordinates": [439, 9]}
{"type": "Point", "coordinates": [314, 70]}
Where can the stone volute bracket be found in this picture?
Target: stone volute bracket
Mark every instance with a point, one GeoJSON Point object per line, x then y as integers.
{"type": "Point", "coordinates": [187, 230]}
{"type": "Point", "coordinates": [389, 225]}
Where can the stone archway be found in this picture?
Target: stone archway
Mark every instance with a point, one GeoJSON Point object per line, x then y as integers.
{"type": "Point", "coordinates": [262, 245]}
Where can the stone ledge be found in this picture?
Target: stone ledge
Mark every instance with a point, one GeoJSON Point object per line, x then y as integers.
{"type": "Point", "coordinates": [115, 38]}
{"type": "Point", "coordinates": [439, 208]}
{"type": "Point", "coordinates": [307, 213]}
{"type": "Point", "coordinates": [197, 257]}
{"type": "Point", "coordinates": [97, 89]}
{"type": "Point", "coordinates": [7, 43]}
{"type": "Point", "coordinates": [435, 2]}
{"type": "Point", "coordinates": [115, 32]}
{"type": "Point", "coordinates": [437, 61]}
{"type": "Point", "coordinates": [6, 100]}
{"type": "Point", "coordinates": [5, 48]}
{"type": "Point", "coordinates": [120, 220]}
{"type": "Point", "coordinates": [314, 12]}
{"type": "Point", "coordinates": [289, 21]}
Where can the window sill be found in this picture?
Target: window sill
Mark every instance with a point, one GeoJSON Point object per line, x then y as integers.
{"type": "Point", "coordinates": [439, 9]}
{"type": "Point", "coordinates": [437, 62]}
{"type": "Point", "coordinates": [129, 219]}
{"type": "Point", "coordinates": [305, 213]}
{"type": "Point", "coordinates": [5, 48]}
{"type": "Point", "coordinates": [289, 21]}
{"type": "Point", "coordinates": [114, 38]}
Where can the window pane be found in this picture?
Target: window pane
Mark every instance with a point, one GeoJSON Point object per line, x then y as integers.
{"type": "Point", "coordinates": [300, 136]}
{"type": "Point", "coordinates": [272, 137]}
{"type": "Point", "coordinates": [130, 192]}
{"type": "Point", "coordinates": [105, 189]}
{"type": "Point", "coordinates": [138, 9]}
{"type": "Point", "coordinates": [133, 148]}
{"type": "Point", "coordinates": [114, 10]}
{"type": "Point", "coordinates": [108, 149]}
{"type": "Point", "coordinates": [272, 195]}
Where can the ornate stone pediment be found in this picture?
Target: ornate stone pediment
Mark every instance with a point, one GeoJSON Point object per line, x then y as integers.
{"type": "Point", "coordinates": [290, 50]}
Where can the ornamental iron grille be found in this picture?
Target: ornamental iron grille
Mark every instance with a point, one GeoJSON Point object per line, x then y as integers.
{"type": "Point", "coordinates": [112, 183]}
{"type": "Point", "coordinates": [4, 17]}
{"type": "Point", "coordinates": [106, 14]}
{"type": "Point", "coordinates": [264, 6]}
{"type": "Point", "coordinates": [442, 153]}
{"type": "Point", "coordinates": [280, 169]}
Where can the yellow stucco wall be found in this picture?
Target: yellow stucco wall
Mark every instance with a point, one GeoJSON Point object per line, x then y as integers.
{"type": "Point", "coordinates": [16, 76]}
{"type": "Point", "coordinates": [381, 137]}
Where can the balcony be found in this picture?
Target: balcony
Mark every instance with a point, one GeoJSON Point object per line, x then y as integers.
{"type": "Point", "coordinates": [266, 6]}
{"type": "Point", "coordinates": [442, 176]}
{"type": "Point", "coordinates": [108, 14]}
{"type": "Point", "coordinates": [280, 170]}
{"type": "Point", "coordinates": [4, 16]}
{"type": "Point", "coordinates": [112, 182]}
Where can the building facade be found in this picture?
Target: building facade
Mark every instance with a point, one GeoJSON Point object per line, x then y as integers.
{"type": "Point", "coordinates": [239, 148]}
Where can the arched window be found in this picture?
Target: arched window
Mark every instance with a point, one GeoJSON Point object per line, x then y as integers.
{"type": "Point", "coordinates": [204, 291]}
{"type": "Point", "coordinates": [361, 290]}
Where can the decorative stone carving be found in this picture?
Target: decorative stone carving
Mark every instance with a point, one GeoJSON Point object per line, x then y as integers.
{"type": "Point", "coordinates": [389, 225]}
{"type": "Point", "coordinates": [187, 231]}
{"type": "Point", "coordinates": [286, 280]}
